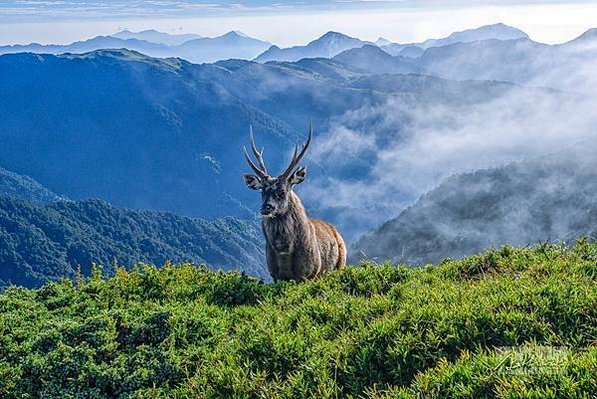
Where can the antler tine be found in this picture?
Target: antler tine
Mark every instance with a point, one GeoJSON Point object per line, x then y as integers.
{"type": "Point", "coordinates": [257, 171]}
{"type": "Point", "coordinates": [258, 154]}
{"type": "Point", "coordinates": [297, 158]}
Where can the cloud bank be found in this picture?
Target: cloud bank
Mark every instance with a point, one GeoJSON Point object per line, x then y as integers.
{"type": "Point", "coordinates": [391, 154]}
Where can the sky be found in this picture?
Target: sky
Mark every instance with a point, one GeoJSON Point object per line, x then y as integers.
{"type": "Point", "coordinates": [288, 23]}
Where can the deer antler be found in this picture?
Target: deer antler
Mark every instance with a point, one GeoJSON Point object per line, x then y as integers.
{"type": "Point", "coordinates": [296, 157]}
{"type": "Point", "coordinates": [261, 171]}
{"type": "Point", "coordinates": [258, 154]}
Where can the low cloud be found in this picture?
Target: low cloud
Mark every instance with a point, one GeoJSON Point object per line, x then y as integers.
{"type": "Point", "coordinates": [398, 152]}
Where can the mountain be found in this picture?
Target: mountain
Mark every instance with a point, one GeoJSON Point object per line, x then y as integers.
{"type": "Point", "coordinates": [41, 242]}
{"type": "Point", "coordinates": [587, 38]}
{"type": "Point", "coordinates": [155, 36]}
{"type": "Point", "coordinates": [568, 66]}
{"type": "Point", "coordinates": [231, 45]}
{"type": "Point", "coordinates": [382, 42]}
{"type": "Point", "coordinates": [517, 61]}
{"type": "Point", "coordinates": [525, 203]}
{"type": "Point", "coordinates": [498, 31]}
{"type": "Point", "coordinates": [198, 50]}
{"type": "Point", "coordinates": [508, 323]}
{"type": "Point", "coordinates": [410, 51]}
{"type": "Point", "coordinates": [19, 186]}
{"type": "Point", "coordinates": [373, 60]}
{"type": "Point", "coordinates": [136, 131]}
{"type": "Point", "coordinates": [166, 134]}
{"type": "Point", "coordinates": [96, 43]}
{"type": "Point", "coordinates": [327, 46]}
{"type": "Point", "coordinates": [582, 48]}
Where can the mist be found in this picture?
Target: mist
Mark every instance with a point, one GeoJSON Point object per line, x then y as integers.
{"type": "Point", "coordinates": [389, 154]}
{"type": "Point", "coordinates": [548, 199]}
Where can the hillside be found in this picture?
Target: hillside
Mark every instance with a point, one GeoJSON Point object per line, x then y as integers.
{"type": "Point", "coordinates": [512, 323]}
{"type": "Point", "coordinates": [132, 130]}
{"type": "Point", "coordinates": [47, 242]}
{"type": "Point", "coordinates": [165, 134]}
{"type": "Point", "coordinates": [547, 198]}
{"type": "Point", "coordinates": [520, 60]}
{"type": "Point", "coordinates": [15, 185]}
{"type": "Point", "coordinates": [373, 60]}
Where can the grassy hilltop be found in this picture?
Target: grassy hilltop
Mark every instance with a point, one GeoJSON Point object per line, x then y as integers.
{"type": "Point", "coordinates": [509, 323]}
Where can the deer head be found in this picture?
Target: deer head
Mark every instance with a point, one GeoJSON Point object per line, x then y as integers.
{"type": "Point", "coordinates": [275, 191]}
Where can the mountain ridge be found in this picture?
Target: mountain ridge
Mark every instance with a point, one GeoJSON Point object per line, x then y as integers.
{"type": "Point", "coordinates": [20, 186]}
{"type": "Point", "coordinates": [499, 31]}
{"type": "Point", "coordinates": [152, 35]}
{"type": "Point", "coordinates": [326, 46]}
{"type": "Point", "coordinates": [196, 49]}
{"type": "Point", "coordinates": [374, 60]}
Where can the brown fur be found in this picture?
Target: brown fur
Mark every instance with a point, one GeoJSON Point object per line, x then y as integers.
{"type": "Point", "coordinates": [297, 247]}
{"type": "Point", "coordinates": [300, 248]}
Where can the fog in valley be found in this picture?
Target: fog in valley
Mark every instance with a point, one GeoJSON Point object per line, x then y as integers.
{"type": "Point", "coordinates": [408, 150]}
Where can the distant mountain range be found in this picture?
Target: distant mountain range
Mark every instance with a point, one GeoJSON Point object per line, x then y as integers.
{"type": "Point", "coordinates": [154, 36]}
{"type": "Point", "coordinates": [497, 31]}
{"type": "Point", "coordinates": [334, 43]}
{"type": "Point", "coordinates": [327, 46]}
{"type": "Point", "coordinates": [231, 45]}
{"type": "Point", "coordinates": [567, 66]}
{"type": "Point", "coordinates": [370, 59]}
{"type": "Point", "coordinates": [496, 52]}
{"type": "Point", "coordinates": [192, 48]}
{"type": "Point", "coordinates": [236, 45]}
{"type": "Point", "coordinates": [551, 198]}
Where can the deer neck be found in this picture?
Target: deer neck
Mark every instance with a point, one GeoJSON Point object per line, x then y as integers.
{"type": "Point", "coordinates": [284, 232]}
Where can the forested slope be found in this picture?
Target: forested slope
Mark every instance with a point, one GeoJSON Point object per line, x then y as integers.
{"type": "Point", "coordinates": [46, 242]}
{"type": "Point", "coordinates": [547, 198]}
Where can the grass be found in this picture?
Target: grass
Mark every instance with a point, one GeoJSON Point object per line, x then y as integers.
{"type": "Point", "coordinates": [509, 323]}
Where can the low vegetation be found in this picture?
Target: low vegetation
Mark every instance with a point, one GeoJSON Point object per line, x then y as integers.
{"type": "Point", "coordinates": [508, 323]}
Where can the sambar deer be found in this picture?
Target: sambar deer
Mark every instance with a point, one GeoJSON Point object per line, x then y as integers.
{"type": "Point", "coordinates": [297, 247]}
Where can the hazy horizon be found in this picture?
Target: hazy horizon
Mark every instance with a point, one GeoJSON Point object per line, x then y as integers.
{"type": "Point", "coordinates": [63, 22]}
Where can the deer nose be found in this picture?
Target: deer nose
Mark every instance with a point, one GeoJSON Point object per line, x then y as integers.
{"type": "Point", "coordinates": [266, 209]}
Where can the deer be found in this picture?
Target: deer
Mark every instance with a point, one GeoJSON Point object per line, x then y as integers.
{"type": "Point", "coordinates": [297, 247]}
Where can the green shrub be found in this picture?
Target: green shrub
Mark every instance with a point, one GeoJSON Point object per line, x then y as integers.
{"type": "Point", "coordinates": [509, 323]}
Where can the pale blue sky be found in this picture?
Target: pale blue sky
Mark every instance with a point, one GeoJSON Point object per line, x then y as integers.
{"type": "Point", "coordinates": [290, 22]}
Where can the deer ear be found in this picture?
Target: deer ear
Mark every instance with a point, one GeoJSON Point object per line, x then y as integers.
{"type": "Point", "coordinates": [252, 181]}
{"type": "Point", "coordinates": [298, 176]}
